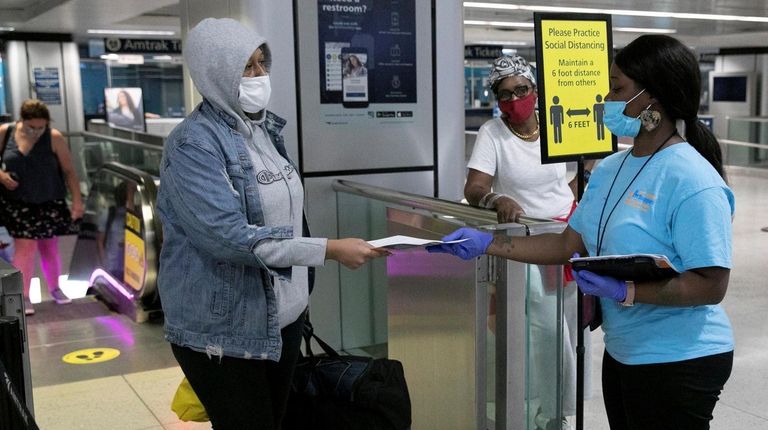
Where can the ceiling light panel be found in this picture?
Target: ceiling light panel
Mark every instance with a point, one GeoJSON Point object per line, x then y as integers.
{"type": "Point", "coordinates": [624, 12]}
{"type": "Point", "coordinates": [133, 32]}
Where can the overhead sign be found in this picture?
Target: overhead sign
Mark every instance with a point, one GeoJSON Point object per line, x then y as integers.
{"type": "Point", "coordinates": [130, 59]}
{"type": "Point", "coordinates": [573, 54]}
{"type": "Point", "coordinates": [47, 85]}
{"type": "Point", "coordinates": [142, 46]}
{"type": "Point", "coordinates": [482, 52]}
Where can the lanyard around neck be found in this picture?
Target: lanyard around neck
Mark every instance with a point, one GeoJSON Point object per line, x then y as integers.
{"type": "Point", "coordinates": [601, 228]}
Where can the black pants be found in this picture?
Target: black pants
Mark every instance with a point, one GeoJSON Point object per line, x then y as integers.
{"type": "Point", "coordinates": [675, 396]}
{"type": "Point", "coordinates": [243, 394]}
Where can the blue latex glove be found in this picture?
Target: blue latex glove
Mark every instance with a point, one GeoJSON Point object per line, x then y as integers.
{"type": "Point", "coordinates": [476, 246]}
{"type": "Point", "coordinates": [601, 286]}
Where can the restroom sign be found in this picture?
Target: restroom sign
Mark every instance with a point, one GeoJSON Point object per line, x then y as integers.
{"type": "Point", "coordinates": [573, 59]}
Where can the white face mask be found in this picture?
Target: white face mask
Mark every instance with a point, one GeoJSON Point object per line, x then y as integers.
{"type": "Point", "coordinates": [254, 93]}
{"type": "Point", "coordinates": [33, 132]}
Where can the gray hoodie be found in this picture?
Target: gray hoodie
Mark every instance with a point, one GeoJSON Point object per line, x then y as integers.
{"type": "Point", "coordinates": [216, 52]}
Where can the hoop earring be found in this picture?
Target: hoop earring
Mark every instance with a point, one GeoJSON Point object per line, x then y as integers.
{"type": "Point", "coordinates": [650, 119]}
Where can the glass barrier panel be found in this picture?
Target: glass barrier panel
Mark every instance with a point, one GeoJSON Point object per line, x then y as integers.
{"type": "Point", "coordinates": [749, 130]}
{"type": "Point", "coordinates": [363, 291]}
{"type": "Point", "coordinates": [101, 242]}
{"type": "Point", "coordinates": [90, 153]}
{"type": "Point", "coordinates": [77, 148]}
{"type": "Point", "coordinates": [551, 344]}
{"type": "Point", "coordinates": [490, 357]}
{"type": "Point", "coordinates": [487, 343]}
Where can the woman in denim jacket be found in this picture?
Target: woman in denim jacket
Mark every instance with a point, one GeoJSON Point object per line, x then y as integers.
{"type": "Point", "coordinates": [233, 268]}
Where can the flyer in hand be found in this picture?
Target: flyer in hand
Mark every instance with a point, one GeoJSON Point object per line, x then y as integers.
{"type": "Point", "coordinates": [405, 242]}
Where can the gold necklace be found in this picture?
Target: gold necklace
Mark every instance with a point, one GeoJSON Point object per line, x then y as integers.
{"type": "Point", "coordinates": [521, 135]}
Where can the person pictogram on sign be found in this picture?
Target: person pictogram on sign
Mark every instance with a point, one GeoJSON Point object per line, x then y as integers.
{"type": "Point", "coordinates": [556, 118]}
{"type": "Point", "coordinates": [597, 115]}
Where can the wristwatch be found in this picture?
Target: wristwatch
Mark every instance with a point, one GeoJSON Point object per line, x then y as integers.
{"type": "Point", "coordinates": [630, 299]}
{"type": "Point", "coordinates": [586, 176]}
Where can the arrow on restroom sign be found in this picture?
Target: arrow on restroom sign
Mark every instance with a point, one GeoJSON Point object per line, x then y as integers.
{"type": "Point", "coordinates": [575, 112]}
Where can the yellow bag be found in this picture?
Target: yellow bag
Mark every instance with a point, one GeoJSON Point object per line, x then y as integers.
{"type": "Point", "coordinates": [186, 404]}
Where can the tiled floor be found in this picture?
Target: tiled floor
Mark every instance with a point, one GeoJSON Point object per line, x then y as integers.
{"type": "Point", "coordinates": [134, 391]}
{"type": "Point", "coordinates": [130, 392]}
{"type": "Point", "coordinates": [130, 401]}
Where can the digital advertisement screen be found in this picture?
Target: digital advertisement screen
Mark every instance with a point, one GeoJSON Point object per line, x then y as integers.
{"type": "Point", "coordinates": [729, 89]}
{"type": "Point", "coordinates": [125, 108]}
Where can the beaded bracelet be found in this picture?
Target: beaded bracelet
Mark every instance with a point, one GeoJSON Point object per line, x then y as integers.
{"type": "Point", "coordinates": [484, 200]}
{"type": "Point", "coordinates": [492, 201]}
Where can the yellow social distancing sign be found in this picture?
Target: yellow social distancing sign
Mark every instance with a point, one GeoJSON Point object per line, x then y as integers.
{"type": "Point", "coordinates": [134, 261]}
{"type": "Point", "coordinates": [134, 257]}
{"type": "Point", "coordinates": [573, 58]}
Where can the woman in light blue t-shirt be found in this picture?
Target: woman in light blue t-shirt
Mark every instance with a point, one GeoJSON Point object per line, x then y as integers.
{"type": "Point", "coordinates": [668, 343]}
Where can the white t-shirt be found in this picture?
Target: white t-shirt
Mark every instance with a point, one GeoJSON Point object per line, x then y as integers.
{"type": "Point", "coordinates": [515, 164]}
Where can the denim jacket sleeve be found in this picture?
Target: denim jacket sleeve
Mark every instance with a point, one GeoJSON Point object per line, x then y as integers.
{"type": "Point", "coordinates": [199, 187]}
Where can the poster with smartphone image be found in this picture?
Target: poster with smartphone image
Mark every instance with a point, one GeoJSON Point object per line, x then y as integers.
{"type": "Point", "coordinates": [354, 77]}
{"type": "Point", "coordinates": [367, 57]}
{"type": "Point", "coordinates": [365, 83]}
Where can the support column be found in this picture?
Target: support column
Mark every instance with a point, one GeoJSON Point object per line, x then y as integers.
{"type": "Point", "coordinates": [24, 57]}
{"type": "Point", "coordinates": [449, 90]}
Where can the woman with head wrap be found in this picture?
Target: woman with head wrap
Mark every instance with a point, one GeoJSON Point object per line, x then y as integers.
{"type": "Point", "coordinates": [505, 170]}
{"type": "Point", "coordinates": [506, 175]}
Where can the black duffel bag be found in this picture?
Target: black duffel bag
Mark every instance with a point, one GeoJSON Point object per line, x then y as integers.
{"type": "Point", "coordinates": [345, 392]}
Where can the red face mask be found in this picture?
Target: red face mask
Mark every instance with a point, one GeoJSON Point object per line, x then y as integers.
{"type": "Point", "coordinates": [518, 110]}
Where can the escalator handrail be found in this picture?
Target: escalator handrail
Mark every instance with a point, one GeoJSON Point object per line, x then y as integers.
{"type": "Point", "coordinates": [129, 172]}
{"type": "Point", "coordinates": [119, 140]}
{"type": "Point", "coordinates": [147, 182]}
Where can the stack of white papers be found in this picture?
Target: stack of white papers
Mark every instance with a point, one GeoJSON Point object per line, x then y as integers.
{"type": "Point", "coordinates": [404, 242]}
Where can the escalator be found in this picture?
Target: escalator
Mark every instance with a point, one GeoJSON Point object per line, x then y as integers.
{"type": "Point", "coordinates": [119, 241]}
{"type": "Point", "coordinates": [117, 249]}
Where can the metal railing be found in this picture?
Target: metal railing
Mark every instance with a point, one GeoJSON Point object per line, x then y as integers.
{"type": "Point", "coordinates": [474, 214]}
{"type": "Point", "coordinates": [468, 363]}
{"type": "Point", "coordinates": [92, 150]}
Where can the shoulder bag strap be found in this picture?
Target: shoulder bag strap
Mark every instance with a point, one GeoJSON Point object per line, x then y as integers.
{"type": "Point", "coordinates": [9, 392]}
{"type": "Point", "coordinates": [8, 132]}
{"type": "Point", "coordinates": [309, 334]}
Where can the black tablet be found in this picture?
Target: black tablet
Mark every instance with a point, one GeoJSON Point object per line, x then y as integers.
{"type": "Point", "coordinates": [636, 267]}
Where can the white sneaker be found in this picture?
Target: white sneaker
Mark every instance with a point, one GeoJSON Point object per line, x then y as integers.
{"type": "Point", "coordinates": [60, 297]}
{"type": "Point", "coordinates": [544, 423]}
{"type": "Point", "coordinates": [569, 423]}
{"type": "Point", "coordinates": [28, 308]}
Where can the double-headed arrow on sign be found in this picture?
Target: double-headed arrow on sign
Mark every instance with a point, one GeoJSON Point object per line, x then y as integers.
{"type": "Point", "coordinates": [574, 112]}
